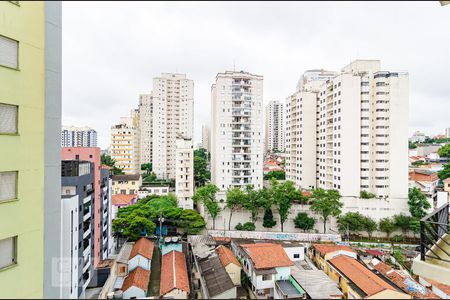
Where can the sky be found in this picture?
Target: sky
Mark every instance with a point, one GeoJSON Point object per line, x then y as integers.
{"type": "Point", "coordinates": [112, 50]}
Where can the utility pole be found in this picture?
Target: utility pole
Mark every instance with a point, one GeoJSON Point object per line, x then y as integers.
{"type": "Point", "coordinates": [161, 220]}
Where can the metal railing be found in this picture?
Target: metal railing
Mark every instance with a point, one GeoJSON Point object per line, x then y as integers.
{"type": "Point", "coordinates": [432, 229]}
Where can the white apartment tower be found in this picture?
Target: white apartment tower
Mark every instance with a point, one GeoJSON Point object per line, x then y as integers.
{"type": "Point", "coordinates": [125, 144]}
{"type": "Point", "coordinates": [184, 173]}
{"type": "Point", "coordinates": [72, 136]}
{"type": "Point", "coordinates": [146, 128]}
{"type": "Point", "coordinates": [173, 109]}
{"type": "Point", "coordinates": [237, 130]}
{"type": "Point", "coordinates": [206, 138]}
{"type": "Point", "coordinates": [274, 131]}
{"type": "Point", "coordinates": [360, 126]}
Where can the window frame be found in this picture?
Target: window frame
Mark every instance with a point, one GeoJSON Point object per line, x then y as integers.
{"type": "Point", "coordinates": [15, 262]}
{"type": "Point", "coordinates": [16, 188]}
{"type": "Point", "coordinates": [17, 120]}
{"type": "Point", "coordinates": [17, 68]}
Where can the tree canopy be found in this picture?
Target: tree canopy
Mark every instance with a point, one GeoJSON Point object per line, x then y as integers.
{"type": "Point", "coordinates": [278, 175]}
{"type": "Point", "coordinates": [386, 225]}
{"type": "Point", "coordinates": [207, 195]}
{"type": "Point", "coordinates": [283, 195]}
{"type": "Point", "coordinates": [108, 161]}
{"type": "Point", "coordinates": [445, 172]}
{"type": "Point", "coordinates": [202, 174]}
{"type": "Point", "coordinates": [303, 221]}
{"type": "Point", "coordinates": [444, 151]}
{"type": "Point", "coordinates": [235, 198]}
{"type": "Point", "coordinates": [326, 203]}
{"type": "Point", "coordinates": [418, 203]}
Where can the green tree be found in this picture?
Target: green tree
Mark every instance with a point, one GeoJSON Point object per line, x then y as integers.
{"type": "Point", "coordinates": [133, 225]}
{"type": "Point", "coordinates": [235, 198]}
{"type": "Point", "coordinates": [418, 203]}
{"type": "Point", "coordinates": [387, 226]}
{"type": "Point", "coordinates": [278, 175]}
{"type": "Point", "coordinates": [268, 220]}
{"type": "Point", "coordinates": [147, 168]}
{"type": "Point", "coordinates": [444, 151]}
{"type": "Point", "coordinates": [445, 172]}
{"type": "Point", "coordinates": [247, 226]}
{"type": "Point", "coordinates": [418, 163]}
{"type": "Point", "coordinates": [399, 257]}
{"type": "Point", "coordinates": [191, 221]}
{"type": "Point", "coordinates": [202, 175]}
{"type": "Point", "coordinates": [326, 203]}
{"type": "Point", "coordinates": [108, 161]}
{"type": "Point", "coordinates": [402, 222]}
{"type": "Point", "coordinates": [303, 221]}
{"type": "Point", "coordinates": [412, 145]}
{"type": "Point", "coordinates": [369, 225]}
{"type": "Point", "coordinates": [366, 195]}
{"type": "Point", "coordinates": [414, 226]}
{"type": "Point", "coordinates": [283, 196]}
{"type": "Point", "coordinates": [207, 195]}
{"type": "Point", "coordinates": [353, 221]}
{"type": "Point", "coordinates": [253, 201]}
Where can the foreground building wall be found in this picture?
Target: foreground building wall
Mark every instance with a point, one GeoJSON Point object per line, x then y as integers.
{"type": "Point", "coordinates": [30, 109]}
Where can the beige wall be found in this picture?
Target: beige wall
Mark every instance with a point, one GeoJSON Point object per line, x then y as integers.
{"type": "Point", "coordinates": [389, 294]}
{"type": "Point", "coordinates": [130, 186]}
{"type": "Point", "coordinates": [235, 273]}
{"type": "Point", "coordinates": [176, 294]}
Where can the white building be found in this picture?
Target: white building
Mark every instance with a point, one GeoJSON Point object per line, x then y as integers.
{"type": "Point", "coordinates": [206, 138]}
{"type": "Point", "coordinates": [350, 133]}
{"type": "Point", "coordinates": [447, 132]}
{"type": "Point", "coordinates": [125, 144]}
{"type": "Point", "coordinates": [173, 109]}
{"type": "Point", "coordinates": [184, 173]}
{"type": "Point", "coordinates": [237, 130]}
{"type": "Point", "coordinates": [417, 137]}
{"type": "Point", "coordinates": [145, 128]}
{"type": "Point", "coordinates": [274, 131]}
{"type": "Point", "coordinates": [72, 136]}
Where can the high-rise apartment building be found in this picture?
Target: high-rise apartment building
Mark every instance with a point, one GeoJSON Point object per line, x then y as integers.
{"type": "Point", "coordinates": [237, 130]}
{"type": "Point", "coordinates": [145, 128]}
{"type": "Point", "coordinates": [173, 109]}
{"type": "Point", "coordinates": [125, 138]}
{"type": "Point", "coordinates": [72, 136]}
{"type": "Point", "coordinates": [274, 131]}
{"type": "Point", "coordinates": [30, 166]}
{"type": "Point", "coordinates": [358, 120]}
{"type": "Point", "coordinates": [206, 138]}
{"type": "Point", "coordinates": [447, 132]}
{"type": "Point", "coordinates": [184, 173]}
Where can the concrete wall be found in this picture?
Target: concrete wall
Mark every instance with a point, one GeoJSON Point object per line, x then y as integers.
{"type": "Point", "coordinates": [139, 261]}
{"type": "Point", "coordinates": [290, 251]}
{"type": "Point", "coordinates": [134, 292]}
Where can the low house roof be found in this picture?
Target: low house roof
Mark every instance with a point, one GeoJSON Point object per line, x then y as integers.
{"type": "Point", "coordinates": [328, 248]}
{"type": "Point", "coordinates": [123, 199]}
{"type": "Point", "coordinates": [139, 278]}
{"type": "Point", "coordinates": [126, 177]}
{"type": "Point", "coordinates": [364, 279]}
{"type": "Point", "coordinates": [144, 247]}
{"type": "Point", "coordinates": [374, 252]}
{"type": "Point", "coordinates": [316, 283]}
{"type": "Point", "coordinates": [216, 277]}
{"type": "Point", "coordinates": [226, 256]}
{"type": "Point", "coordinates": [443, 287]}
{"type": "Point", "coordinates": [174, 273]}
{"type": "Point", "coordinates": [267, 255]}
{"type": "Point", "coordinates": [124, 253]}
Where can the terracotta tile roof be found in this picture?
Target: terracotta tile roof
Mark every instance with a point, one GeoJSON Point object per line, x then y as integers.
{"type": "Point", "coordinates": [226, 256]}
{"type": "Point", "coordinates": [267, 255]}
{"type": "Point", "coordinates": [139, 277]}
{"type": "Point", "coordinates": [174, 273]}
{"type": "Point", "coordinates": [306, 193]}
{"type": "Point", "coordinates": [399, 280]}
{"type": "Point", "coordinates": [423, 175]}
{"type": "Point", "coordinates": [328, 248]}
{"type": "Point", "coordinates": [374, 252]}
{"type": "Point", "coordinates": [122, 199]}
{"type": "Point", "coordinates": [144, 247]}
{"type": "Point", "coordinates": [443, 287]}
{"type": "Point", "coordinates": [359, 275]}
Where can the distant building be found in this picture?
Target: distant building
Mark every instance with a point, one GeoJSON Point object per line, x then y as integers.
{"type": "Point", "coordinates": [159, 189]}
{"type": "Point", "coordinates": [72, 136]}
{"type": "Point", "coordinates": [274, 123]}
{"type": "Point", "coordinates": [184, 170]}
{"type": "Point", "coordinates": [426, 181]}
{"type": "Point", "coordinates": [418, 137]}
{"type": "Point", "coordinates": [121, 200]}
{"type": "Point", "coordinates": [206, 138]}
{"type": "Point", "coordinates": [126, 184]}
{"type": "Point", "coordinates": [447, 132]}
{"type": "Point", "coordinates": [141, 255]}
{"type": "Point", "coordinates": [321, 253]}
{"type": "Point", "coordinates": [146, 128]}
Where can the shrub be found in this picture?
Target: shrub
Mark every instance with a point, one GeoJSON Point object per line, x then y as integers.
{"type": "Point", "coordinates": [366, 195]}
{"type": "Point", "coordinates": [248, 226]}
{"type": "Point", "coordinates": [397, 238]}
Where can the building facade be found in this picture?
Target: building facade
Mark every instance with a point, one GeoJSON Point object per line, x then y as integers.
{"type": "Point", "coordinates": [30, 122]}
{"type": "Point", "coordinates": [78, 198]}
{"type": "Point", "coordinates": [237, 130]}
{"type": "Point", "coordinates": [372, 156]}
{"type": "Point", "coordinates": [184, 173]}
{"type": "Point", "coordinates": [125, 149]}
{"type": "Point", "coordinates": [173, 109]}
{"type": "Point", "coordinates": [274, 130]}
{"type": "Point", "coordinates": [206, 138]}
{"type": "Point", "coordinates": [145, 128]}
{"type": "Point", "coordinates": [126, 184]}
{"type": "Point", "coordinates": [72, 136]}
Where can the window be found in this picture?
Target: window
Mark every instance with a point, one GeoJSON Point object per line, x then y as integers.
{"type": "Point", "coordinates": [8, 252]}
{"type": "Point", "coordinates": [267, 277]}
{"type": "Point", "coordinates": [296, 255]}
{"type": "Point", "coordinates": [8, 185]}
{"type": "Point", "coordinates": [8, 52]}
{"type": "Point", "coordinates": [8, 118]}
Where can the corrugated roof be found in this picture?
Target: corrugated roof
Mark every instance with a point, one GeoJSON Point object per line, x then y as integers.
{"type": "Point", "coordinates": [316, 283]}
{"type": "Point", "coordinates": [124, 253]}
{"type": "Point", "coordinates": [216, 277]}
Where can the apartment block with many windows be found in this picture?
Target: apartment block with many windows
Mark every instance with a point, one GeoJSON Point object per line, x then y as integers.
{"type": "Point", "coordinates": [185, 173]}
{"type": "Point", "coordinates": [145, 128]}
{"type": "Point", "coordinates": [360, 128]}
{"type": "Point", "coordinates": [274, 130]}
{"type": "Point", "coordinates": [30, 122]}
{"type": "Point", "coordinates": [72, 136]}
{"type": "Point", "coordinates": [173, 109]}
{"type": "Point", "coordinates": [237, 130]}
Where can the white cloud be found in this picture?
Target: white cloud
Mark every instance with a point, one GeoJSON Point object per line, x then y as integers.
{"type": "Point", "coordinates": [111, 51]}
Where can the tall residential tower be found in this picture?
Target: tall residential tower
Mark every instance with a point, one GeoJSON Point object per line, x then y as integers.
{"type": "Point", "coordinates": [274, 131]}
